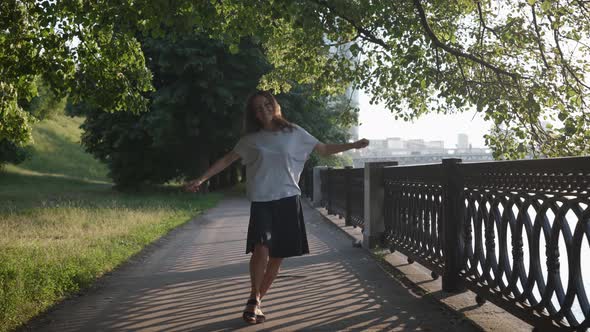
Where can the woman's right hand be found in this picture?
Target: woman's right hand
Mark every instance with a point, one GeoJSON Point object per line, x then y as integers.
{"type": "Point", "coordinates": [194, 185]}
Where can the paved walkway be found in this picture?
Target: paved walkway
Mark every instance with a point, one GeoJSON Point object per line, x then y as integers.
{"type": "Point", "coordinates": [196, 279]}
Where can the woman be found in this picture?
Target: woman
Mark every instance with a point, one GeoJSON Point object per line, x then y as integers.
{"type": "Point", "coordinates": [274, 152]}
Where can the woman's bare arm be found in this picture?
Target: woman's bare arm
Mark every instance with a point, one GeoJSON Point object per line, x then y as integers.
{"type": "Point", "coordinates": [217, 167]}
{"type": "Point", "coordinates": [329, 149]}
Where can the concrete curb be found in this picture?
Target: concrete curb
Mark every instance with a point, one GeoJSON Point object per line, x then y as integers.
{"type": "Point", "coordinates": [417, 278]}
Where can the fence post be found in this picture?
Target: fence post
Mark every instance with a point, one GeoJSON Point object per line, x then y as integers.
{"type": "Point", "coordinates": [374, 196]}
{"type": "Point", "coordinates": [329, 190]}
{"type": "Point", "coordinates": [309, 184]}
{"type": "Point", "coordinates": [347, 204]}
{"type": "Point", "coordinates": [453, 226]}
{"type": "Point", "coordinates": [317, 186]}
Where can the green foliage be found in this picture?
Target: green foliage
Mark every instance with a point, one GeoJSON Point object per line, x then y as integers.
{"type": "Point", "coordinates": [11, 153]}
{"type": "Point", "coordinates": [519, 63]}
{"type": "Point", "coordinates": [195, 114]}
{"type": "Point", "coordinates": [81, 48]}
{"type": "Point", "coordinates": [117, 79]}
{"type": "Point", "coordinates": [327, 118]}
{"type": "Point", "coordinates": [16, 123]}
{"type": "Point", "coordinates": [123, 145]}
{"type": "Point", "coordinates": [14, 127]}
{"type": "Point", "coordinates": [46, 103]}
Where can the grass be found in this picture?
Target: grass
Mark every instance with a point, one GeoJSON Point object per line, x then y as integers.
{"type": "Point", "coordinates": [57, 150]}
{"type": "Point", "coordinates": [63, 226]}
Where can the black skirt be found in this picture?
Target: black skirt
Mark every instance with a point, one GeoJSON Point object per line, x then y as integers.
{"type": "Point", "coordinates": [278, 225]}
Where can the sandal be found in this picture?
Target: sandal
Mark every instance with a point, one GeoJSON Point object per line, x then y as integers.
{"type": "Point", "coordinates": [260, 318]}
{"type": "Point", "coordinates": [251, 317]}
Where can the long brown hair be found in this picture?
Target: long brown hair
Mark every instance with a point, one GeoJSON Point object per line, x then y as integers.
{"type": "Point", "coordinates": [251, 123]}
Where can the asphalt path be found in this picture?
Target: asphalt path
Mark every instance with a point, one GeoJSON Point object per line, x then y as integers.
{"type": "Point", "coordinates": [196, 279]}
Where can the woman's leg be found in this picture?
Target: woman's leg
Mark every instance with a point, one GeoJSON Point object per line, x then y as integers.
{"type": "Point", "coordinates": [258, 263]}
{"type": "Point", "coordinates": [272, 270]}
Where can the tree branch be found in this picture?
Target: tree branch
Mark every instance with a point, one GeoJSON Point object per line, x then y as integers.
{"type": "Point", "coordinates": [455, 51]}
{"type": "Point", "coordinates": [437, 66]}
{"type": "Point", "coordinates": [483, 22]}
{"type": "Point", "coordinates": [539, 43]}
{"type": "Point", "coordinates": [344, 42]}
{"type": "Point", "coordinates": [362, 32]}
{"type": "Point", "coordinates": [563, 61]}
{"type": "Point", "coordinates": [464, 78]}
{"type": "Point", "coordinates": [582, 5]}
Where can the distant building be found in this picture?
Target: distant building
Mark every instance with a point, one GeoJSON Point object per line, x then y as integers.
{"type": "Point", "coordinates": [354, 133]}
{"type": "Point", "coordinates": [379, 144]}
{"type": "Point", "coordinates": [395, 143]}
{"type": "Point", "coordinates": [462, 141]}
{"type": "Point", "coordinates": [351, 93]}
{"type": "Point", "coordinates": [435, 145]}
{"type": "Point", "coordinates": [415, 144]}
{"type": "Point", "coordinates": [394, 147]}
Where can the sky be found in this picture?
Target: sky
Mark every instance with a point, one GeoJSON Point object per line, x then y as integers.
{"type": "Point", "coordinates": [378, 123]}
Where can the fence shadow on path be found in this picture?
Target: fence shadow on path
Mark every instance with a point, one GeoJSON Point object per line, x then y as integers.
{"type": "Point", "coordinates": [205, 286]}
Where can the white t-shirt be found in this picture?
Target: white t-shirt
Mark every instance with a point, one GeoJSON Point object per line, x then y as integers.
{"type": "Point", "coordinates": [274, 161]}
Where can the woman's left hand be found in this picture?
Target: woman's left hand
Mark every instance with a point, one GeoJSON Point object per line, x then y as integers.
{"type": "Point", "coordinates": [362, 143]}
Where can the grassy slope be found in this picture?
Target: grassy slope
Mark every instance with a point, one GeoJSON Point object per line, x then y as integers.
{"type": "Point", "coordinates": [63, 226]}
{"type": "Point", "coordinates": [57, 150]}
{"type": "Point", "coordinates": [58, 168]}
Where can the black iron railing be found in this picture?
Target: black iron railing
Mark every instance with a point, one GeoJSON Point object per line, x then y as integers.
{"type": "Point", "coordinates": [337, 192]}
{"type": "Point", "coordinates": [517, 232]}
{"type": "Point", "coordinates": [324, 185]}
{"type": "Point", "coordinates": [306, 183]}
{"type": "Point", "coordinates": [413, 213]}
{"type": "Point", "coordinates": [355, 197]}
{"type": "Point", "coordinates": [527, 238]}
{"type": "Point", "coordinates": [343, 194]}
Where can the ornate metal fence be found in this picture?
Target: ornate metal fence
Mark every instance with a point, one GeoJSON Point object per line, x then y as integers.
{"type": "Point", "coordinates": [343, 194]}
{"type": "Point", "coordinates": [517, 232]}
{"type": "Point", "coordinates": [324, 186]}
{"type": "Point", "coordinates": [337, 192]}
{"type": "Point", "coordinates": [413, 213]}
{"type": "Point", "coordinates": [306, 183]}
{"type": "Point", "coordinates": [527, 238]}
{"type": "Point", "coordinates": [355, 197]}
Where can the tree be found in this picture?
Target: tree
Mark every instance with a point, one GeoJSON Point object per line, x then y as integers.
{"type": "Point", "coordinates": [43, 105]}
{"type": "Point", "coordinates": [196, 113]}
{"type": "Point", "coordinates": [79, 48]}
{"type": "Point", "coordinates": [519, 63]}
{"type": "Point", "coordinates": [194, 117]}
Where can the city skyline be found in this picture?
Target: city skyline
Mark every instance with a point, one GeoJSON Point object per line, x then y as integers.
{"type": "Point", "coordinates": [378, 123]}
